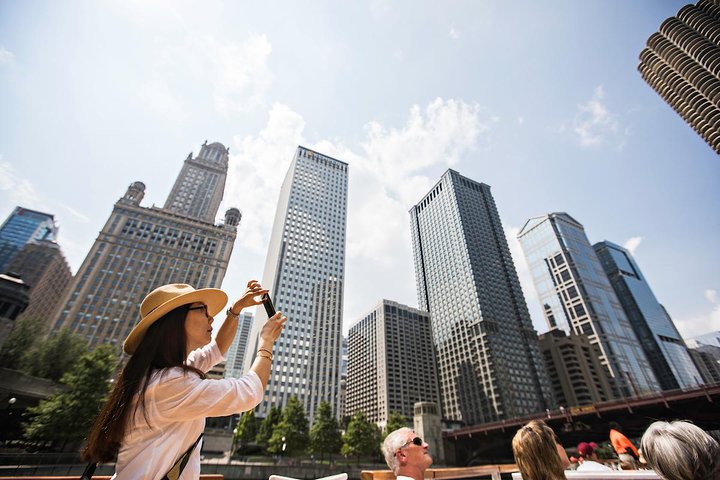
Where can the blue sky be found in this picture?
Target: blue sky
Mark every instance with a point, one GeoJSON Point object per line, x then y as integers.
{"type": "Point", "coordinates": [540, 100]}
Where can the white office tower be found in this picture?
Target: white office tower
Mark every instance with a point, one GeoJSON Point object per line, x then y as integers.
{"type": "Point", "coordinates": [236, 353]}
{"type": "Point", "coordinates": [305, 271]}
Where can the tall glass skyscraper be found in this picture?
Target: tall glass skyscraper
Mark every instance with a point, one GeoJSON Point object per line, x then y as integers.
{"type": "Point", "coordinates": [24, 226]}
{"type": "Point", "coordinates": [140, 248]}
{"type": "Point", "coordinates": [305, 271]}
{"type": "Point", "coordinates": [236, 353]}
{"type": "Point", "coordinates": [490, 366]}
{"type": "Point", "coordinates": [662, 343]}
{"type": "Point", "coordinates": [577, 297]}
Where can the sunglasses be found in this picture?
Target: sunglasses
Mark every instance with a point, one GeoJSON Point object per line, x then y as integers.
{"type": "Point", "coordinates": [201, 307]}
{"type": "Point", "coordinates": [417, 441]}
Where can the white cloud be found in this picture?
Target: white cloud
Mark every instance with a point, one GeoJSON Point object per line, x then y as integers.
{"type": "Point", "coordinates": [632, 244]}
{"type": "Point", "coordinates": [594, 124]}
{"type": "Point", "coordinates": [241, 74]}
{"type": "Point", "coordinates": [75, 213]}
{"type": "Point", "coordinates": [520, 120]}
{"type": "Point", "coordinates": [17, 190]}
{"type": "Point", "coordinates": [711, 295]}
{"type": "Point", "coordinates": [399, 54]}
{"type": "Point", "coordinates": [6, 56]}
{"type": "Point", "coordinates": [703, 322]}
{"type": "Point", "coordinates": [256, 173]}
{"type": "Point", "coordinates": [453, 33]}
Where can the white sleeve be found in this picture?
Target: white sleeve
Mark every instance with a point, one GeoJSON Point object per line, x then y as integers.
{"type": "Point", "coordinates": [185, 396]}
{"type": "Point", "coordinates": [205, 358]}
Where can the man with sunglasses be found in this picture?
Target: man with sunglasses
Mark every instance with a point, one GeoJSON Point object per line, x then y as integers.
{"type": "Point", "coordinates": [406, 454]}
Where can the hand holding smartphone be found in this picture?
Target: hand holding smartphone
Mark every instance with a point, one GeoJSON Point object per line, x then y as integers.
{"type": "Point", "coordinates": [268, 304]}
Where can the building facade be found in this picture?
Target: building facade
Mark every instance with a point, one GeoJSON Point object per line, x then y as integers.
{"type": "Point", "coordinates": [577, 297]}
{"type": "Point", "coordinates": [43, 267]}
{"type": "Point", "coordinates": [576, 374]}
{"type": "Point", "coordinates": [682, 63]}
{"type": "Point", "coordinates": [236, 353]}
{"type": "Point", "coordinates": [707, 360]}
{"type": "Point", "coordinates": [710, 338]}
{"type": "Point", "coordinates": [659, 338]}
{"type": "Point", "coordinates": [140, 248]}
{"type": "Point", "coordinates": [391, 362]}
{"type": "Point", "coordinates": [490, 366]}
{"type": "Point", "coordinates": [14, 299]}
{"type": "Point", "coordinates": [305, 272]}
{"type": "Point", "coordinates": [21, 227]}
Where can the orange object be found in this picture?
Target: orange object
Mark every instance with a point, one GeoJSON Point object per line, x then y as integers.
{"type": "Point", "coordinates": [621, 443]}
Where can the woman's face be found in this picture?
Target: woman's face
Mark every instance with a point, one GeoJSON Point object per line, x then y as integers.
{"type": "Point", "coordinates": [198, 327]}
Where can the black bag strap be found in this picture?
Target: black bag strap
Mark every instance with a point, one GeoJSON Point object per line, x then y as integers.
{"type": "Point", "coordinates": [172, 474]}
{"type": "Point", "coordinates": [177, 469]}
{"type": "Point", "coordinates": [89, 471]}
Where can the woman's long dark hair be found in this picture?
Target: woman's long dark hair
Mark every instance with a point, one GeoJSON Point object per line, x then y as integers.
{"type": "Point", "coordinates": [163, 346]}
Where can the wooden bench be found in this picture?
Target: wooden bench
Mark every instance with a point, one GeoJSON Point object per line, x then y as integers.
{"type": "Point", "coordinates": [492, 471]}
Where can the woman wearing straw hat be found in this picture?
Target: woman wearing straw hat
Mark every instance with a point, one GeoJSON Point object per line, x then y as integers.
{"type": "Point", "coordinates": [155, 415]}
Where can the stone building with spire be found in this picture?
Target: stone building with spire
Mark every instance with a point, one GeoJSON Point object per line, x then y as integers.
{"type": "Point", "coordinates": [140, 248]}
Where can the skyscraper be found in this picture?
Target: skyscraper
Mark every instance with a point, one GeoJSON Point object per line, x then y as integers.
{"type": "Point", "coordinates": [662, 343]}
{"type": "Point", "coordinates": [22, 227]}
{"type": "Point", "coordinates": [577, 297]}
{"type": "Point", "coordinates": [236, 353]}
{"type": "Point", "coordinates": [682, 63]}
{"type": "Point", "coordinates": [489, 360]}
{"type": "Point", "coordinates": [391, 362]}
{"type": "Point", "coordinates": [141, 248]}
{"type": "Point", "coordinates": [305, 271]}
{"type": "Point", "coordinates": [43, 267]}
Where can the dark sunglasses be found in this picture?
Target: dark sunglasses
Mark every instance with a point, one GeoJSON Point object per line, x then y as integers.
{"type": "Point", "coordinates": [201, 307]}
{"type": "Point", "coordinates": [417, 441]}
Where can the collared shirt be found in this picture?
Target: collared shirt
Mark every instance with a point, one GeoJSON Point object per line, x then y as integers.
{"type": "Point", "coordinates": [176, 404]}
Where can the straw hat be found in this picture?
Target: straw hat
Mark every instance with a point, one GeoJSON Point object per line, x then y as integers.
{"type": "Point", "coordinates": [167, 298]}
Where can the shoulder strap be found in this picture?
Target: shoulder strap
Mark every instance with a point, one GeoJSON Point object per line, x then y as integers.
{"type": "Point", "coordinates": [176, 470]}
{"type": "Point", "coordinates": [89, 471]}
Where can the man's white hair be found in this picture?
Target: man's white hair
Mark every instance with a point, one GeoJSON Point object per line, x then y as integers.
{"type": "Point", "coordinates": [681, 450]}
{"type": "Point", "coordinates": [393, 442]}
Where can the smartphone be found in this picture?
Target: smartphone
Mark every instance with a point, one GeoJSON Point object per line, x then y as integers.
{"type": "Point", "coordinates": [268, 304]}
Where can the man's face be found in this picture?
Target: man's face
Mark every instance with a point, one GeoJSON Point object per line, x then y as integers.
{"type": "Point", "coordinates": [414, 455]}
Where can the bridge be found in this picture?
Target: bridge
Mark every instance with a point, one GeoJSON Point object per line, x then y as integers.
{"type": "Point", "coordinates": [491, 442]}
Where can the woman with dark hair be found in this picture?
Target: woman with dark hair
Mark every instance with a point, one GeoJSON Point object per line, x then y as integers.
{"type": "Point", "coordinates": [154, 418]}
{"type": "Point", "coordinates": [538, 452]}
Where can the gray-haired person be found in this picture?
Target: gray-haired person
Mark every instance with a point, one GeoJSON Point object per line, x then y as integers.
{"type": "Point", "coordinates": [681, 451]}
{"type": "Point", "coordinates": [406, 454]}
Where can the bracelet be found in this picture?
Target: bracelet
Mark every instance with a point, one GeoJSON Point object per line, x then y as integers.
{"type": "Point", "coordinates": [269, 357]}
{"type": "Point", "coordinates": [265, 350]}
{"type": "Point", "coordinates": [232, 314]}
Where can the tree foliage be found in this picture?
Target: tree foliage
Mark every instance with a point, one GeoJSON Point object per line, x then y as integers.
{"type": "Point", "coordinates": [395, 421]}
{"type": "Point", "coordinates": [52, 357]}
{"type": "Point", "coordinates": [325, 433]}
{"type": "Point", "coordinates": [268, 425]}
{"type": "Point", "coordinates": [245, 431]}
{"type": "Point", "coordinates": [293, 428]}
{"type": "Point", "coordinates": [362, 437]}
{"type": "Point", "coordinates": [67, 415]}
{"type": "Point", "coordinates": [19, 342]}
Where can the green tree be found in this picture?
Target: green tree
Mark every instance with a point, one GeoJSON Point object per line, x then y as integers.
{"type": "Point", "coordinates": [267, 426]}
{"type": "Point", "coordinates": [67, 415]}
{"type": "Point", "coordinates": [395, 420]}
{"type": "Point", "coordinates": [362, 437]}
{"type": "Point", "coordinates": [292, 431]}
{"type": "Point", "coordinates": [245, 431]}
{"type": "Point", "coordinates": [325, 432]}
{"type": "Point", "coordinates": [53, 356]}
{"type": "Point", "coordinates": [21, 339]}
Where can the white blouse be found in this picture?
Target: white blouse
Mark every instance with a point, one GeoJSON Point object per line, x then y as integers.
{"type": "Point", "coordinates": [177, 403]}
